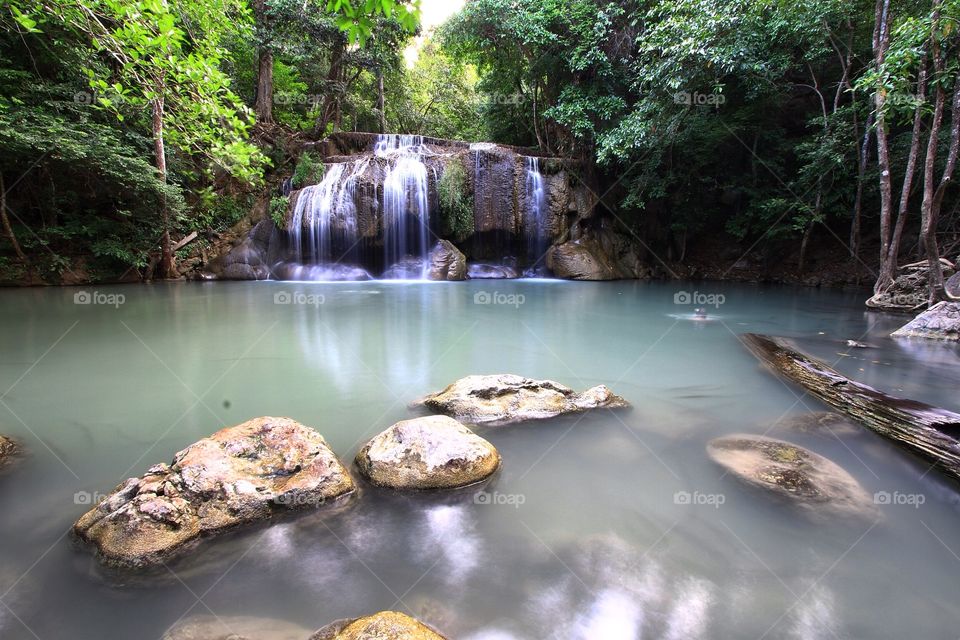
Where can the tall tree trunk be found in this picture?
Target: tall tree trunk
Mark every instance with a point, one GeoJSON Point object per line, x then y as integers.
{"type": "Point", "coordinates": [903, 212]}
{"type": "Point", "coordinates": [8, 229]}
{"type": "Point", "coordinates": [381, 103]}
{"type": "Point", "coordinates": [947, 178]}
{"type": "Point", "coordinates": [862, 162]}
{"type": "Point", "coordinates": [881, 43]}
{"type": "Point", "coordinates": [263, 107]}
{"type": "Point", "coordinates": [328, 110]}
{"type": "Point", "coordinates": [929, 222]}
{"type": "Point", "coordinates": [167, 268]}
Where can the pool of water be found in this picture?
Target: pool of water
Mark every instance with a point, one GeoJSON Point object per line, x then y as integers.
{"type": "Point", "coordinates": [584, 533]}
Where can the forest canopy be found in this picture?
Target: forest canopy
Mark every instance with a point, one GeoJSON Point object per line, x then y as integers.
{"type": "Point", "coordinates": [772, 124]}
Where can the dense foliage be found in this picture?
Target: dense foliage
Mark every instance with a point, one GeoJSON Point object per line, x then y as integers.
{"type": "Point", "coordinates": [742, 116]}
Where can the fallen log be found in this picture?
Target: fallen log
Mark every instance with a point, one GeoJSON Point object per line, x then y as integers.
{"type": "Point", "coordinates": [924, 430]}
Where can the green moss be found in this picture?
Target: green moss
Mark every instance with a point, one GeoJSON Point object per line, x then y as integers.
{"type": "Point", "coordinates": [456, 204]}
{"type": "Point", "coordinates": [309, 170]}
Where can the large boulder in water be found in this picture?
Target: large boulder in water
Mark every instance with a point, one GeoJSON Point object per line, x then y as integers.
{"type": "Point", "coordinates": [238, 475]}
{"type": "Point", "coordinates": [506, 398]}
{"type": "Point", "coordinates": [386, 625]}
{"type": "Point", "coordinates": [434, 452]}
{"type": "Point", "coordinates": [581, 260]}
{"type": "Point", "coordinates": [940, 322]}
{"type": "Point", "coordinates": [447, 262]}
{"type": "Point", "coordinates": [408, 268]}
{"type": "Point", "coordinates": [791, 472]}
{"type": "Point", "coordinates": [234, 628]}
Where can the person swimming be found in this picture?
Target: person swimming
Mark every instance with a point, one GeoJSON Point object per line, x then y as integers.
{"type": "Point", "coordinates": [700, 313]}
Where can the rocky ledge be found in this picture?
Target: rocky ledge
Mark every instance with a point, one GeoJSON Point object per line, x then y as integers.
{"type": "Point", "coordinates": [507, 398]}
{"type": "Point", "coordinates": [940, 322]}
{"type": "Point", "coordinates": [791, 472]}
{"type": "Point", "coordinates": [435, 452]}
{"type": "Point", "coordinates": [238, 475]}
{"type": "Point", "coordinates": [386, 625]}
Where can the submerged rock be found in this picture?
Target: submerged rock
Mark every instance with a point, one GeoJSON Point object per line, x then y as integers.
{"type": "Point", "coordinates": [506, 398]}
{"type": "Point", "coordinates": [234, 628]}
{"type": "Point", "coordinates": [407, 269]}
{"type": "Point", "coordinates": [792, 472]}
{"type": "Point", "coordinates": [940, 322]}
{"type": "Point", "coordinates": [238, 475]}
{"type": "Point", "coordinates": [821, 423]}
{"type": "Point", "coordinates": [491, 272]}
{"type": "Point", "coordinates": [8, 449]}
{"type": "Point", "coordinates": [447, 262]}
{"type": "Point", "coordinates": [386, 625]}
{"type": "Point", "coordinates": [435, 452]}
{"type": "Point", "coordinates": [321, 272]}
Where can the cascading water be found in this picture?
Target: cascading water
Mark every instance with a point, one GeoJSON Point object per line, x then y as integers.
{"type": "Point", "coordinates": [406, 206]}
{"type": "Point", "coordinates": [329, 212]}
{"type": "Point", "coordinates": [537, 232]}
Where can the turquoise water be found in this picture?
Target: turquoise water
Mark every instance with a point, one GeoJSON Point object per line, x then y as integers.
{"type": "Point", "coordinates": [583, 535]}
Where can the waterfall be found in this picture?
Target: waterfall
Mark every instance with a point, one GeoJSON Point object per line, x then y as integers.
{"type": "Point", "coordinates": [406, 204]}
{"type": "Point", "coordinates": [329, 211]}
{"type": "Point", "coordinates": [537, 232]}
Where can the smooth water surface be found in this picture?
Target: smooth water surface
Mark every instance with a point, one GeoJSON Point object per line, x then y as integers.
{"type": "Point", "coordinates": [603, 526]}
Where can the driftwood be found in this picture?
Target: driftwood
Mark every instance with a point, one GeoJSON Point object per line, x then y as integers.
{"type": "Point", "coordinates": [926, 431]}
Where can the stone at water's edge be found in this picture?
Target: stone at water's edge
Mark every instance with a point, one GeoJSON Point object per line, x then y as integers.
{"type": "Point", "coordinates": [386, 625]}
{"type": "Point", "coordinates": [952, 285]}
{"type": "Point", "coordinates": [507, 398]}
{"type": "Point", "coordinates": [580, 260]}
{"type": "Point", "coordinates": [940, 322]}
{"type": "Point", "coordinates": [447, 262]}
{"type": "Point", "coordinates": [801, 476]}
{"type": "Point", "coordinates": [434, 452]}
{"type": "Point", "coordinates": [234, 628]}
{"type": "Point", "coordinates": [238, 475]}
{"type": "Point", "coordinates": [8, 448]}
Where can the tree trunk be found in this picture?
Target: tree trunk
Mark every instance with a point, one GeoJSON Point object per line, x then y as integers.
{"type": "Point", "coordinates": [929, 222]}
{"type": "Point", "coordinates": [881, 42]}
{"type": "Point", "coordinates": [928, 432]}
{"type": "Point", "coordinates": [263, 107]}
{"type": "Point", "coordinates": [381, 103]}
{"type": "Point", "coordinates": [8, 229]}
{"type": "Point", "coordinates": [166, 268]}
{"type": "Point", "coordinates": [862, 162]}
{"type": "Point", "coordinates": [903, 212]}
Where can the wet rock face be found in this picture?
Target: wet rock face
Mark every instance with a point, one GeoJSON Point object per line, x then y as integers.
{"type": "Point", "coordinates": [238, 475]}
{"type": "Point", "coordinates": [234, 628]}
{"type": "Point", "coordinates": [507, 398]}
{"type": "Point", "coordinates": [434, 452]}
{"type": "Point", "coordinates": [447, 262]}
{"type": "Point", "coordinates": [799, 475]}
{"type": "Point", "coordinates": [580, 260]}
{"type": "Point", "coordinates": [386, 625]}
{"type": "Point", "coordinates": [940, 322]}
